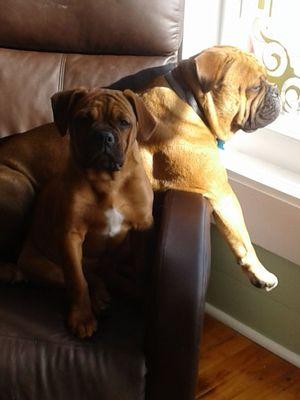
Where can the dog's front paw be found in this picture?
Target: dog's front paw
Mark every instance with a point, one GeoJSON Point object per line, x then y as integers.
{"type": "Point", "coordinates": [265, 280]}
{"type": "Point", "coordinates": [82, 322]}
{"type": "Point", "coordinates": [258, 275]}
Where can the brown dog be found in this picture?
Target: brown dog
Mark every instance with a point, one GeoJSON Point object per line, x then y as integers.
{"type": "Point", "coordinates": [102, 193]}
{"type": "Point", "coordinates": [205, 98]}
{"type": "Point", "coordinates": [228, 90]}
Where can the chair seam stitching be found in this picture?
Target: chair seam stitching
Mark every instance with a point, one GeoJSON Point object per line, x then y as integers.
{"type": "Point", "coordinates": [62, 72]}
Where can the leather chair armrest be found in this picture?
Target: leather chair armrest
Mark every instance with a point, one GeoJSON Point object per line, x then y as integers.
{"type": "Point", "coordinates": [179, 284]}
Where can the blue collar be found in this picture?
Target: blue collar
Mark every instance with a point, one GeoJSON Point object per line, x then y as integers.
{"type": "Point", "coordinates": [188, 97]}
{"type": "Point", "coordinates": [220, 144]}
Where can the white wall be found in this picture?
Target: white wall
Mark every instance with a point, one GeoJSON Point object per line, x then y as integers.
{"type": "Point", "coordinates": [201, 25]}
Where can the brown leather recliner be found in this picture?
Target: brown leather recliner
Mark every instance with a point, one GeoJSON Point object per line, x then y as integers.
{"type": "Point", "coordinates": [138, 353]}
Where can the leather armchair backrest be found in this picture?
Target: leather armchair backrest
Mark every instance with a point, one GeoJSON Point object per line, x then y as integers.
{"type": "Point", "coordinates": [52, 45]}
{"type": "Point", "coordinates": [137, 27]}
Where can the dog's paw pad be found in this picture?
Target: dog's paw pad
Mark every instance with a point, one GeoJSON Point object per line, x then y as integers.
{"type": "Point", "coordinates": [268, 282]}
{"type": "Point", "coordinates": [271, 284]}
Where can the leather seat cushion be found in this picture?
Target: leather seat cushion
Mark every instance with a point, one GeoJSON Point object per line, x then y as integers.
{"type": "Point", "coordinates": [40, 360]}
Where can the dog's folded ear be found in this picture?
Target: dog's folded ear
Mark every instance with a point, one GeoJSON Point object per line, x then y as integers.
{"type": "Point", "coordinates": [146, 121]}
{"type": "Point", "coordinates": [63, 104]}
{"type": "Point", "coordinates": [203, 72]}
{"type": "Point", "coordinates": [211, 68]}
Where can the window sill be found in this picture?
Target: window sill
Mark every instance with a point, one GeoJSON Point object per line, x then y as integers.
{"type": "Point", "coordinates": [273, 179]}
{"type": "Point", "coordinates": [267, 157]}
{"type": "Point", "coordinates": [267, 183]}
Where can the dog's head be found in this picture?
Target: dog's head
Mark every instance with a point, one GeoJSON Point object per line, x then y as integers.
{"type": "Point", "coordinates": [231, 88]}
{"type": "Point", "coordinates": [103, 125]}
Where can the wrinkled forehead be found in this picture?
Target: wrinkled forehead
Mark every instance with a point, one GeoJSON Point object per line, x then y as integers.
{"type": "Point", "coordinates": [105, 104]}
{"type": "Point", "coordinates": [256, 64]}
{"type": "Point", "coordinates": [247, 62]}
{"type": "Point", "coordinates": [244, 69]}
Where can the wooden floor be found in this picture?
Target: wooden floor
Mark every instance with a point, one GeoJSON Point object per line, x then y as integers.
{"type": "Point", "coordinates": [233, 367]}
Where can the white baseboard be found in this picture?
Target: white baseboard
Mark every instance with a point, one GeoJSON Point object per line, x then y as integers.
{"type": "Point", "coordinates": [253, 335]}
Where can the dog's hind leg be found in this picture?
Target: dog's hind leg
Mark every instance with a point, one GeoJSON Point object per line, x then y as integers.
{"type": "Point", "coordinates": [230, 221]}
{"type": "Point", "coordinates": [16, 199]}
{"type": "Point", "coordinates": [10, 273]}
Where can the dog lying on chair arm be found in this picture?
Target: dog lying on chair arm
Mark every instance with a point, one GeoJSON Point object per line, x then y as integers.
{"type": "Point", "coordinates": [89, 208]}
{"type": "Point", "coordinates": [205, 99]}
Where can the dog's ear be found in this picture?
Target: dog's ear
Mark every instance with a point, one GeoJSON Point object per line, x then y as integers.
{"type": "Point", "coordinates": [63, 104]}
{"type": "Point", "coordinates": [146, 121]}
{"type": "Point", "coordinates": [211, 68]}
{"type": "Point", "coordinates": [203, 72]}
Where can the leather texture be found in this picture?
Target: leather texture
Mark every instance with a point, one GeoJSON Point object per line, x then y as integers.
{"type": "Point", "coordinates": [41, 361]}
{"type": "Point", "coordinates": [131, 27]}
{"type": "Point", "coordinates": [150, 355]}
{"type": "Point", "coordinates": [83, 43]}
{"type": "Point", "coordinates": [180, 279]}
{"type": "Point", "coordinates": [29, 78]}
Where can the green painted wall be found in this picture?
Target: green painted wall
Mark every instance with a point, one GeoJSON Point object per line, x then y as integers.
{"type": "Point", "coordinates": [276, 315]}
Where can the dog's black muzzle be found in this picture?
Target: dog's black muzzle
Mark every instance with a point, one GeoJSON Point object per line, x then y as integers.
{"type": "Point", "coordinates": [104, 141]}
{"type": "Point", "coordinates": [267, 111]}
{"type": "Point", "coordinates": [104, 152]}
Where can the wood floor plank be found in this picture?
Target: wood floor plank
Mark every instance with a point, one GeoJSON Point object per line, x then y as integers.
{"type": "Point", "coordinates": [232, 367]}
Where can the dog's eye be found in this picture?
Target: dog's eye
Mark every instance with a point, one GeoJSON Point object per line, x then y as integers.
{"type": "Point", "coordinates": [124, 123]}
{"type": "Point", "coordinates": [255, 88]}
{"type": "Point", "coordinates": [84, 117]}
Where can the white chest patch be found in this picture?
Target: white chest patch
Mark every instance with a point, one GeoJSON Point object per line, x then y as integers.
{"type": "Point", "coordinates": [114, 221]}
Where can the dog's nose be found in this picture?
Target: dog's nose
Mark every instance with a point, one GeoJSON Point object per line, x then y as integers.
{"type": "Point", "coordinates": [105, 139]}
{"type": "Point", "coordinates": [108, 138]}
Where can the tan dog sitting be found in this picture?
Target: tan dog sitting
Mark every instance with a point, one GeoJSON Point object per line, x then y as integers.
{"type": "Point", "coordinates": [206, 97]}
{"type": "Point", "coordinates": [89, 208]}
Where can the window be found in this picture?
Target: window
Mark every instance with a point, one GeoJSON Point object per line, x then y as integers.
{"type": "Point", "coordinates": [271, 30]}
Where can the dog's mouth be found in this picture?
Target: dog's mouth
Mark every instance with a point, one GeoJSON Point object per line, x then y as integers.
{"type": "Point", "coordinates": [104, 151]}
{"type": "Point", "coordinates": [267, 112]}
{"type": "Point", "coordinates": [104, 162]}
